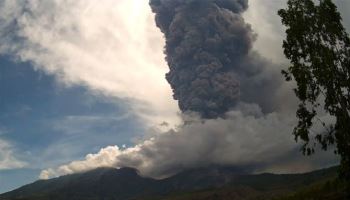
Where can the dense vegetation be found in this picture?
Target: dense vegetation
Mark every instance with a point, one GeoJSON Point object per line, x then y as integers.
{"type": "Point", "coordinates": [333, 189]}
{"type": "Point", "coordinates": [318, 48]}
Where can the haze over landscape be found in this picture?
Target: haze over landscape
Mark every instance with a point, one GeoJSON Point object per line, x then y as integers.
{"type": "Point", "coordinates": [88, 84]}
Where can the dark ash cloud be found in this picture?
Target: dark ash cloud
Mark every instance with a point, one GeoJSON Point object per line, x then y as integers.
{"type": "Point", "coordinates": [208, 50]}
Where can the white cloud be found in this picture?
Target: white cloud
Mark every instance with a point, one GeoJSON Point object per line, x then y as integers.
{"type": "Point", "coordinates": [106, 157]}
{"type": "Point", "coordinates": [7, 157]}
{"type": "Point", "coordinates": [112, 47]}
{"type": "Point", "coordinates": [262, 15]}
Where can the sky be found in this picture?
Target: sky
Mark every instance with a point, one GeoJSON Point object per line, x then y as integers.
{"type": "Point", "coordinates": [82, 85]}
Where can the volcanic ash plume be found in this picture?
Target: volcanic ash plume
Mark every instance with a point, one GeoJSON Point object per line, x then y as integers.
{"type": "Point", "coordinates": [214, 72]}
{"type": "Point", "coordinates": [207, 42]}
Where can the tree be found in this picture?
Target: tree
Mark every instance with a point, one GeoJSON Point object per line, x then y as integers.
{"type": "Point", "coordinates": [318, 48]}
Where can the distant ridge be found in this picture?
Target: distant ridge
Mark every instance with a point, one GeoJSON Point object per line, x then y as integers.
{"type": "Point", "coordinates": [126, 183]}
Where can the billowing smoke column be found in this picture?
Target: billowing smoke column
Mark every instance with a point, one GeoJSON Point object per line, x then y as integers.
{"type": "Point", "coordinates": [206, 43]}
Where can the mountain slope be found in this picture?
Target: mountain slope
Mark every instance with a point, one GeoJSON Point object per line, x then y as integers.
{"type": "Point", "coordinates": [100, 183]}
{"type": "Point", "coordinates": [125, 183]}
{"type": "Point", "coordinates": [331, 189]}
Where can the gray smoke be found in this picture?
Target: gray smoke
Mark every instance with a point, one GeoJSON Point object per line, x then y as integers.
{"type": "Point", "coordinates": [246, 139]}
{"type": "Point", "coordinates": [208, 50]}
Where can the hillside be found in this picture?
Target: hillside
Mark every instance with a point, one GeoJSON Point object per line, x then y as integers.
{"type": "Point", "coordinates": [204, 183]}
{"type": "Point", "coordinates": [330, 189]}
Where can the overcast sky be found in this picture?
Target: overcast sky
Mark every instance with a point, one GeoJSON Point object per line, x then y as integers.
{"type": "Point", "coordinates": [77, 76]}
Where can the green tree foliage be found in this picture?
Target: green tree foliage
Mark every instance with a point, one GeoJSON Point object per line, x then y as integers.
{"type": "Point", "coordinates": [318, 48]}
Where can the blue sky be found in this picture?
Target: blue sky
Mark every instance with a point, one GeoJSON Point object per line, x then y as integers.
{"type": "Point", "coordinates": [49, 124]}
{"type": "Point", "coordinates": [80, 75]}
{"type": "Point", "coordinates": [74, 85]}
